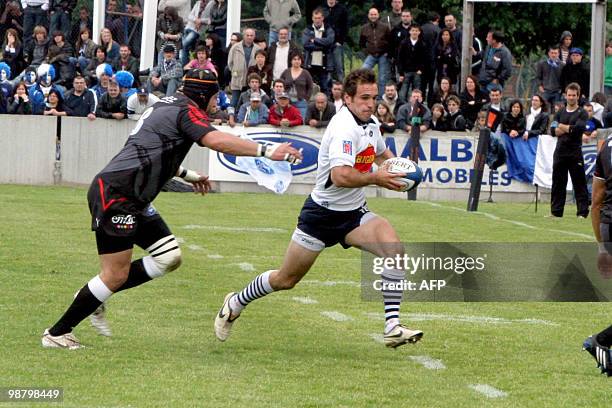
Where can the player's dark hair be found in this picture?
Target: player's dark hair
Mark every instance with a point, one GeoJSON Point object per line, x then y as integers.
{"type": "Point", "coordinates": [356, 78]}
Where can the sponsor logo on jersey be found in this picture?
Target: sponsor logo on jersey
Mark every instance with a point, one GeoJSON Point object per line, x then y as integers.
{"type": "Point", "coordinates": [126, 221]}
{"type": "Point", "coordinates": [365, 159]}
{"type": "Point", "coordinates": [310, 151]}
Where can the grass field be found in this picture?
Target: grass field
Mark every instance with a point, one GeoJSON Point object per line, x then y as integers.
{"type": "Point", "coordinates": [282, 353]}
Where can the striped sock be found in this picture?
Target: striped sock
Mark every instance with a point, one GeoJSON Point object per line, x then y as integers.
{"type": "Point", "coordinates": [392, 298]}
{"type": "Point", "coordinates": [259, 287]}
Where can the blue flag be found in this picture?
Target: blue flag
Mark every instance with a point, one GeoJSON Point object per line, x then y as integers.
{"type": "Point", "coordinates": [521, 157]}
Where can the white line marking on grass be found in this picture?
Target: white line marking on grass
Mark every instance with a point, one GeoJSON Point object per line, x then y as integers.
{"type": "Point", "coordinates": [337, 316]}
{"type": "Point", "coordinates": [421, 317]}
{"type": "Point", "coordinates": [577, 234]}
{"type": "Point", "coordinates": [245, 266]}
{"type": "Point", "coordinates": [215, 256]}
{"type": "Point", "coordinates": [180, 240]}
{"type": "Point", "coordinates": [332, 283]}
{"type": "Point", "coordinates": [377, 337]}
{"type": "Point", "coordinates": [194, 247]}
{"type": "Point", "coordinates": [305, 300]}
{"type": "Point", "coordinates": [234, 229]}
{"type": "Point", "coordinates": [488, 391]}
{"type": "Point", "coordinates": [428, 362]}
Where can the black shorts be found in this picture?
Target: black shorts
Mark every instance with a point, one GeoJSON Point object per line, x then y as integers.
{"type": "Point", "coordinates": [119, 222]}
{"type": "Point", "coordinates": [328, 226]}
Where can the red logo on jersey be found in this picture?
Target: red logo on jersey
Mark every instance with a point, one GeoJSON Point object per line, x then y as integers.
{"type": "Point", "coordinates": [365, 159]}
{"type": "Point", "coordinates": [197, 116]}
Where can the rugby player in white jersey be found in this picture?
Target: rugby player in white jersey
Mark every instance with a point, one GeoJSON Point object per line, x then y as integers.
{"type": "Point", "coordinates": [336, 211]}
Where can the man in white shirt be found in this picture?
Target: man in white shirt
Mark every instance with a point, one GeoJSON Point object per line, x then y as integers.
{"type": "Point", "coordinates": [336, 211]}
{"type": "Point", "coordinates": [139, 102]}
{"type": "Point", "coordinates": [337, 91]}
{"type": "Point", "coordinates": [279, 52]}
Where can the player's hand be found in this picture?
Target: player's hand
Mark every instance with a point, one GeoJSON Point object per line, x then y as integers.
{"type": "Point", "coordinates": [284, 152]}
{"type": "Point", "coordinates": [202, 186]}
{"type": "Point", "coordinates": [388, 180]}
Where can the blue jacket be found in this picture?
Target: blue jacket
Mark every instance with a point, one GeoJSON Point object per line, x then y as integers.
{"type": "Point", "coordinates": [324, 44]}
{"type": "Point", "coordinates": [38, 98]}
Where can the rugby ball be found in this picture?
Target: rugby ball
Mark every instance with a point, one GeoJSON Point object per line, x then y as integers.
{"type": "Point", "coordinates": [414, 174]}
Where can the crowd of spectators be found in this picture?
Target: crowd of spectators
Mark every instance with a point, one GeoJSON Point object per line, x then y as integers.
{"type": "Point", "coordinates": [52, 64]}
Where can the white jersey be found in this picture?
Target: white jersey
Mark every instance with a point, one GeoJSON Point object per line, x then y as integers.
{"type": "Point", "coordinates": [346, 142]}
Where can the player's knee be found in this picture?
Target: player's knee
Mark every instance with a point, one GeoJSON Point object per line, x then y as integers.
{"type": "Point", "coordinates": [286, 282]}
{"type": "Point", "coordinates": [165, 257]}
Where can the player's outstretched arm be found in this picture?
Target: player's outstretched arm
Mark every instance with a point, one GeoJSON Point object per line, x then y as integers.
{"type": "Point", "coordinates": [228, 143]}
{"type": "Point", "coordinates": [349, 177]}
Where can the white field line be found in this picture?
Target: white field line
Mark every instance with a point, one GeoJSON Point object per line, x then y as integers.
{"type": "Point", "coordinates": [194, 247]}
{"type": "Point", "coordinates": [331, 283]}
{"type": "Point", "coordinates": [305, 300]}
{"type": "Point", "coordinates": [421, 317]}
{"type": "Point", "coordinates": [428, 362]}
{"type": "Point", "coordinates": [518, 223]}
{"type": "Point", "coordinates": [245, 266]}
{"type": "Point", "coordinates": [337, 316]}
{"type": "Point", "coordinates": [377, 337]}
{"type": "Point", "coordinates": [488, 391]}
{"type": "Point", "coordinates": [234, 229]}
{"type": "Point", "coordinates": [214, 256]}
{"type": "Point", "coordinates": [180, 240]}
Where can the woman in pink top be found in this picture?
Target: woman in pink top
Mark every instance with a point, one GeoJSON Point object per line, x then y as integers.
{"type": "Point", "coordinates": [201, 61]}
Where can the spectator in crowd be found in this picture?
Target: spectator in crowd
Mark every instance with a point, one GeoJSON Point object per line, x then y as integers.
{"type": "Point", "coordinates": [281, 13]}
{"type": "Point", "coordinates": [447, 57]}
{"type": "Point", "coordinates": [201, 61]}
{"type": "Point", "coordinates": [298, 83]}
{"type": "Point", "coordinates": [576, 71]}
{"type": "Point", "coordinates": [565, 45]}
{"type": "Point", "coordinates": [413, 113]}
{"type": "Point", "coordinates": [495, 104]}
{"type": "Point", "coordinates": [412, 59]}
{"type": "Point", "coordinates": [112, 105]}
{"type": "Point", "coordinates": [183, 7]}
{"type": "Point", "coordinates": [497, 63]}
{"type": "Point", "coordinates": [20, 104]}
{"type": "Point", "coordinates": [444, 91]}
{"type": "Point", "coordinates": [391, 97]}
{"type": "Point", "coordinates": [280, 52]}
{"type": "Point", "coordinates": [608, 70]}
{"type": "Point", "coordinates": [59, 55]}
{"type": "Point", "coordinates": [438, 118]}
{"type": "Point", "coordinates": [450, 22]}
{"type": "Point", "coordinates": [241, 56]}
{"type": "Point", "coordinates": [591, 126]}
{"type": "Point", "coordinates": [125, 80]}
{"type": "Point", "coordinates": [472, 100]}
{"type": "Point", "coordinates": [514, 124]}
{"type": "Point", "coordinates": [374, 39]}
{"type": "Point", "coordinates": [337, 91]}
{"type": "Point", "coordinates": [481, 121]}
{"type": "Point", "coordinates": [318, 41]}
{"type": "Point", "coordinates": [261, 42]}
{"type": "Point", "coordinates": [36, 51]}
{"type": "Point", "coordinates": [568, 126]}
{"type": "Point", "coordinates": [455, 120]}
{"type": "Point", "coordinates": [61, 12]}
{"type": "Point", "coordinates": [223, 101]}
{"type": "Point", "coordinates": [114, 22]}
{"type": "Point", "coordinates": [30, 77]}
{"type": "Point", "coordinates": [548, 75]}
{"type": "Point", "coordinates": [218, 18]}
{"type": "Point", "coordinates": [284, 114]}
{"type": "Point", "coordinates": [165, 78]}
{"type": "Point", "coordinates": [4, 102]}
{"type": "Point", "coordinates": [254, 82]}
{"type": "Point", "coordinates": [135, 24]}
{"type": "Point", "coordinates": [109, 44]}
{"type": "Point", "coordinates": [6, 88]}
{"type": "Point", "coordinates": [320, 111]}
{"type": "Point", "coordinates": [34, 15]}
{"type": "Point", "coordinates": [86, 50]}
{"type": "Point", "coordinates": [12, 52]}
{"type": "Point", "coordinates": [197, 23]}
{"type": "Point", "coordinates": [139, 102]}
{"type": "Point", "coordinates": [92, 68]}
{"type": "Point", "coordinates": [169, 32]}
{"type": "Point", "coordinates": [84, 21]}
{"type": "Point", "coordinates": [218, 56]}
{"type": "Point", "coordinates": [430, 32]}
{"type": "Point", "coordinates": [393, 17]}
{"type": "Point", "coordinates": [398, 34]}
{"type": "Point", "coordinates": [39, 92]}
{"type": "Point", "coordinates": [536, 121]}
{"type": "Point", "coordinates": [218, 116]}
{"type": "Point", "coordinates": [262, 69]}
{"type": "Point", "coordinates": [385, 117]}
{"type": "Point", "coordinates": [126, 62]}
{"type": "Point", "coordinates": [55, 104]}
{"type": "Point", "coordinates": [80, 101]}
{"type": "Point", "coordinates": [11, 17]}
{"type": "Point", "coordinates": [254, 112]}
{"type": "Point", "coordinates": [336, 16]}
{"type": "Point", "coordinates": [104, 72]}
{"type": "Point", "coordinates": [278, 88]}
